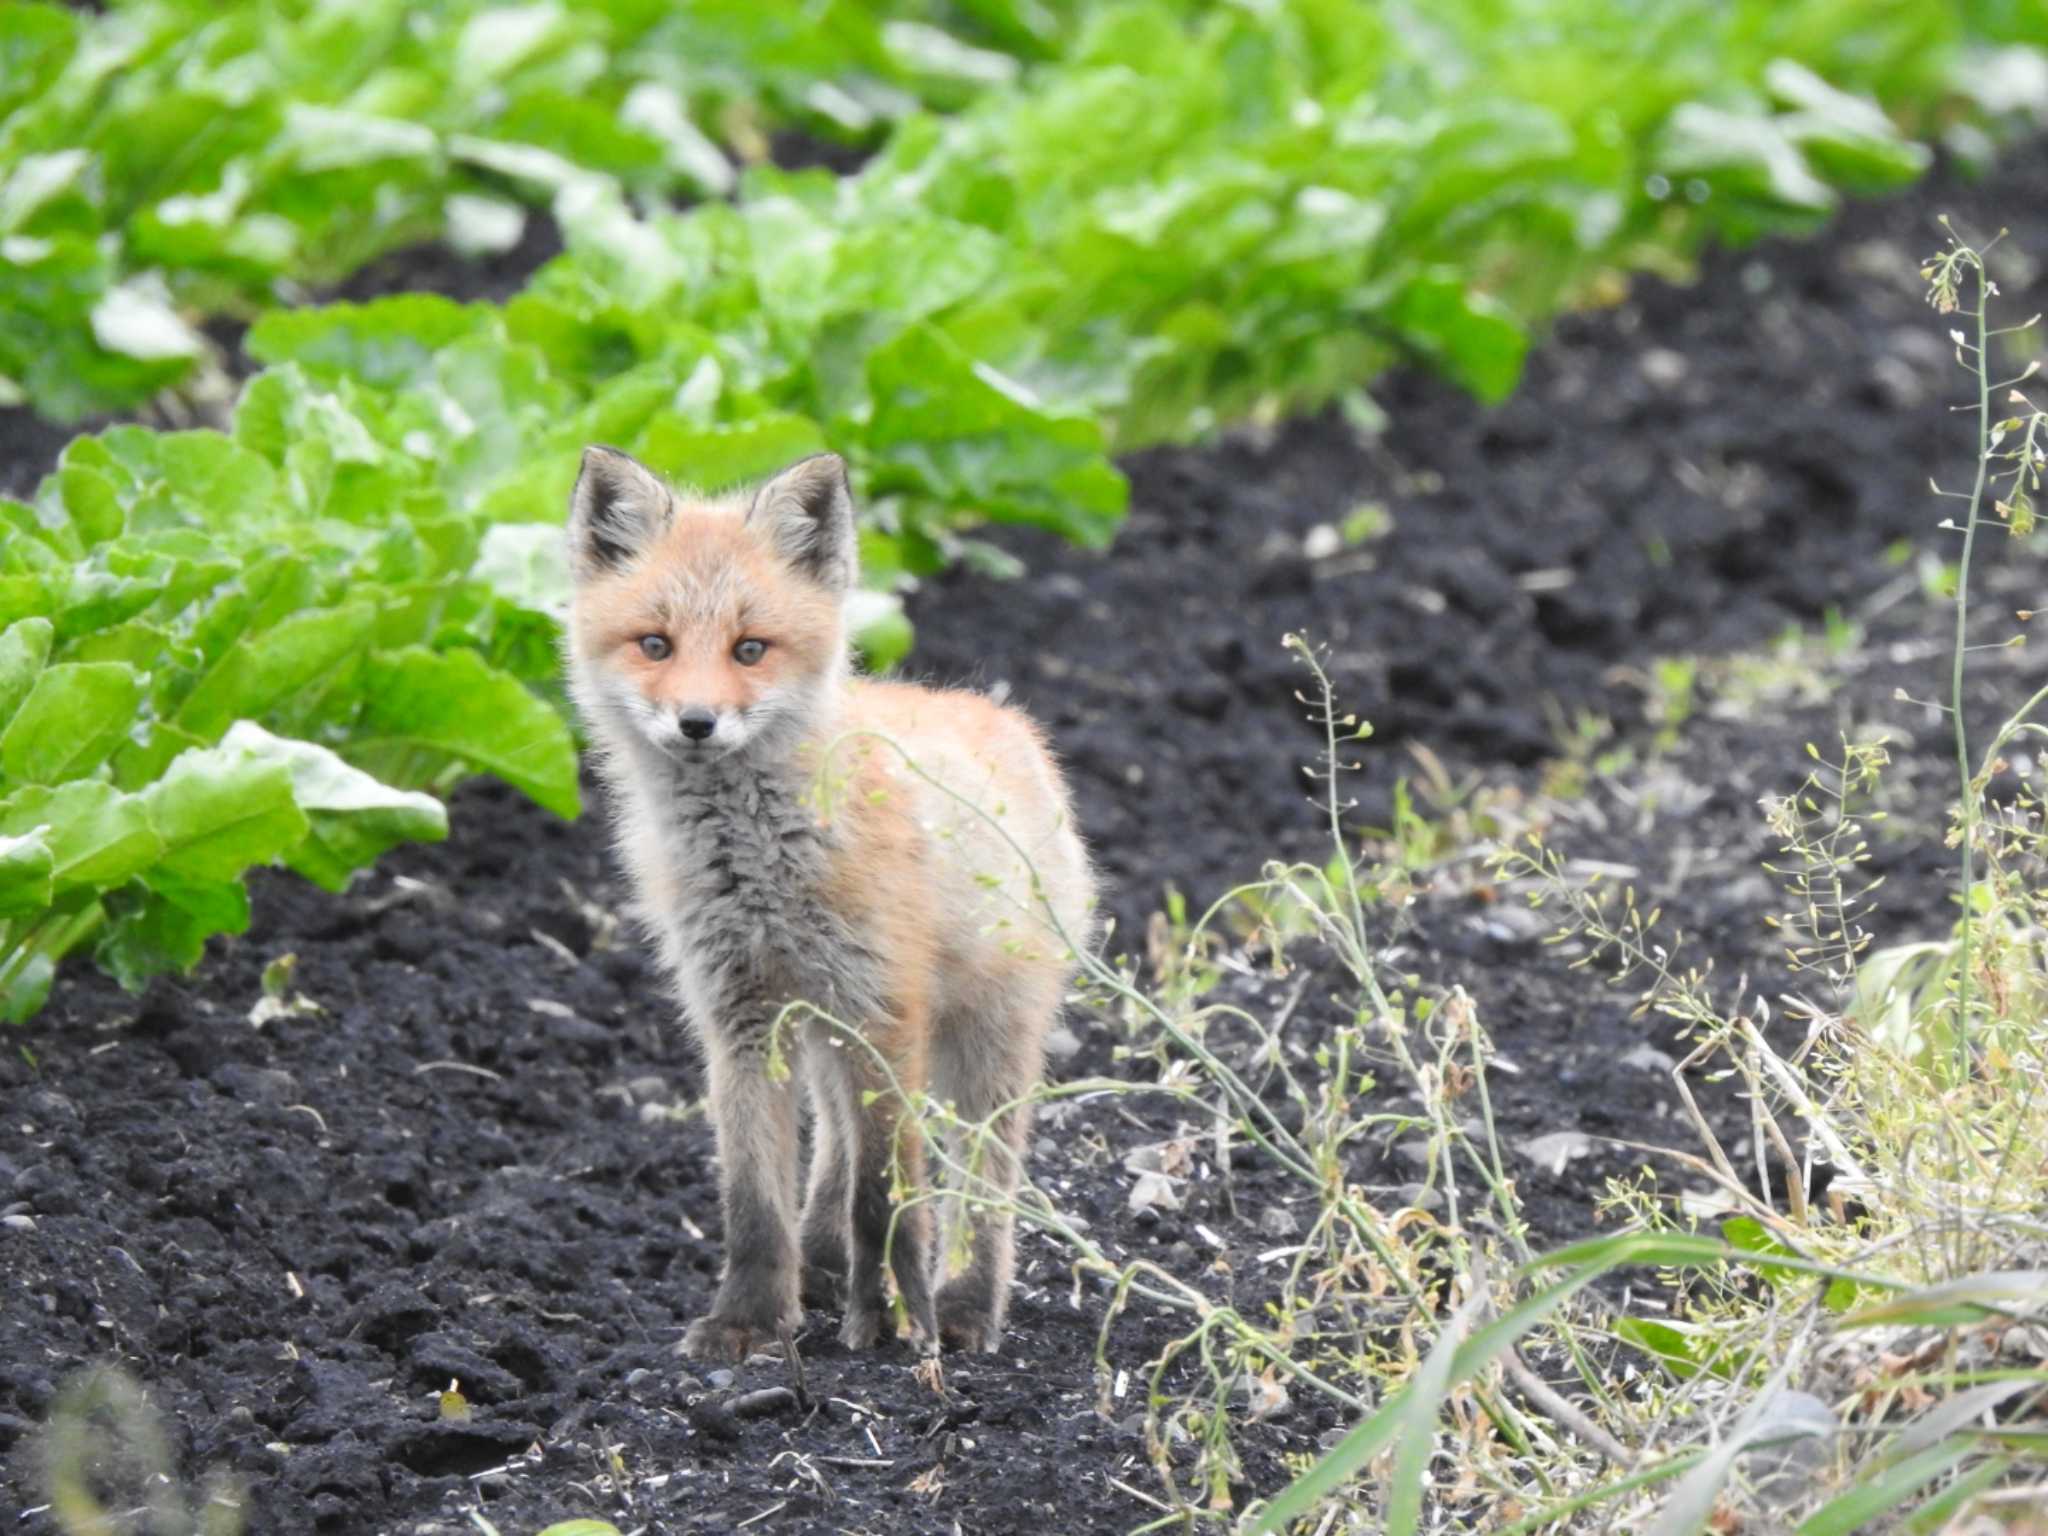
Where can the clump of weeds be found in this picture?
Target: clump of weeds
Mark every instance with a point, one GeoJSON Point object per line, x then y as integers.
{"type": "Point", "coordinates": [1843, 1325]}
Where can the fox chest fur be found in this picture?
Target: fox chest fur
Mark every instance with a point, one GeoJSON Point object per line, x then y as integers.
{"type": "Point", "coordinates": [736, 878]}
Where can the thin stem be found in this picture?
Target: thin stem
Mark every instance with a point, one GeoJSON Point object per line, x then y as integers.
{"type": "Point", "coordinates": [21, 950]}
{"type": "Point", "coordinates": [1968, 806]}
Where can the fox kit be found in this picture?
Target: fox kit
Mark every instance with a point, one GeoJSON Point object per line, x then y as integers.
{"type": "Point", "coordinates": [902, 860]}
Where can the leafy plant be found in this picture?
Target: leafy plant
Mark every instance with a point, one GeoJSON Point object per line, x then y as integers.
{"type": "Point", "coordinates": [213, 660]}
{"type": "Point", "coordinates": [1188, 215]}
{"type": "Point", "coordinates": [1184, 214]}
{"type": "Point", "coordinates": [181, 155]}
{"type": "Point", "coordinates": [2015, 450]}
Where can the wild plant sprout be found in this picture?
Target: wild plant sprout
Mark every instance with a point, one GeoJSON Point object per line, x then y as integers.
{"type": "Point", "coordinates": [1881, 1315]}
{"type": "Point", "coordinates": [2010, 457]}
{"type": "Point", "coordinates": [1846, 1339]}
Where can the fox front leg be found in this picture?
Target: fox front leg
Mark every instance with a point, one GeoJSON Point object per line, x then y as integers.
{"type": "Point", "coordinates": [755, 1113]}
{"type": "Point", "coordinates": [879, 1145]}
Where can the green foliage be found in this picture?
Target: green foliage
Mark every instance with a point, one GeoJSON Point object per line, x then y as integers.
{"type": "Point", "coordinates": [1192, 214]}
{"type": "Point", "coordinates": [184, 154]}
{"type": "Point", "coordinates": [1216, 202]}
{"type": "Point", "coordinates": [1407, 1420]}
{"type": "Point", "coordinates": [1197, 214]}
{"type": "Point", "coordinates": [1182, 214]}
{"type": "Point", "coordinates": [230, 650]}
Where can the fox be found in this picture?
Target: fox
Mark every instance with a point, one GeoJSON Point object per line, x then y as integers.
{"type": "Point", "coordinates": [871, 889]}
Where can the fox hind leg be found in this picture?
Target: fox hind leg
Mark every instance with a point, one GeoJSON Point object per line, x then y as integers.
{"type": "Point", "coordinates": [824, 1235]}
{"type": "Point", "coordinates": [972, 1303]}
{"type": "Point", "coordinates": [987, 1061]}
{"type": "Point", "coordinates": [881, 1143]}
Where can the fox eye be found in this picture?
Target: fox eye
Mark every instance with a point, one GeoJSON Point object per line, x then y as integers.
{"type": "Point", "coordinates": [747, 652]}
{"type": "Point", "coordinates": [655, 647]}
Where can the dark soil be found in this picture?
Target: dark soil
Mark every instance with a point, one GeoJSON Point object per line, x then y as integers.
{"type": "Point", "coordinates": [477, 1160]}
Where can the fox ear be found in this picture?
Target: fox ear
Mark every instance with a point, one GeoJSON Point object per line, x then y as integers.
{"type": "Point", "coordinates": [808, 511]}
{"type": "Point", "coordinates": [618, 508]}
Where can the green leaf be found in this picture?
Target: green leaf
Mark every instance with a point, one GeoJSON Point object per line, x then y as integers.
{"type": "Point", "coordinates": [35, 41]}
{"type": "Point", "coordinates": [1848, 138]}
{"type": "Point", "coordinates": [137, 319]}
{"type": "Point", "coordinates": [177, 480]}
{"type": "Point", "coordinates": [1746, 153]}
{"type": "Point", "coordinates": [453, 705]}
{"type": "Point", "coordinates": [1665, 1248]}
{"type": "Point", "coordinates": [259, 672]}
{"type": "Point", "coordinates": [716, 458]}
{"type": "Point", "coordinates": [1674, 1344]}
{"type": "Point", "coordinates": [97, 836]}
{"type": "Point", "coordinates": [220, 810]}
{"type": "Point", "coordinates": [1959, 1303]}
{"type": "Point", "coordinates": [386, 343]}
{"type": "Point", "coordinates": [879, 630]}
{"type": "Point", "coordinates": [141, 760]}
{"type": "Point", "coordinates": [581, 1528]}
{"type": "Point", "coordinates": [1415, 1432]}
{"type": "Point", "coordinates": [161, 923]}
{"type": "Point", "coordinates": [352, 818]}
{"type": "Point", "coordinates": [1937, 1512]}
{"type": "Point", "coordinates": [964, 435]}
{"type": "Point", "coordinates": [27, 870]}
{"type": "Point", "coordinates": [1467, 335]}
{"type": "Point", "coordinates": [526, 565]}
{"type": "Point", "coordinates": [23, 994]}
{"type": "Point", "coordinates": [75, 714]}
{"type": "Point", "coordinates": [24, 649]}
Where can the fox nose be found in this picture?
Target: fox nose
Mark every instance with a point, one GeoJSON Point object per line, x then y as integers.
{"type": "Point", "coordinates": [698, 723]}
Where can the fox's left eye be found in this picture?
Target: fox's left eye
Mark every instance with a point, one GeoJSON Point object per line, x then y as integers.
{"type": "Point", "coordinates": [654, 647]}
{"type": "Point", "coordinates": [747, 652]}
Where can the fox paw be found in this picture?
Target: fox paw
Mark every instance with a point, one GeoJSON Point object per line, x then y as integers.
{"type": "Point", "coordinates": [728, 1340]}
{"type": "Point", "coordinates": [862, 1328]}
{"type": "Point", "coordinates": [824, 1282]}
{"type": "Point", "coordinates": [967, 1319]}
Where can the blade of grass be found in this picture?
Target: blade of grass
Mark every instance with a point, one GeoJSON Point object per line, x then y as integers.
{"type": "Point", "coordinates": [1368, 1438]}
{"type": "Point", "coordinates": [1551, 1514]}
{"type": "Point", "coordinates": [1849, 1512]}
{"type": "Point", "coordinates": [1934, 1515]}
{"type": "Point", "coordinates": [1692, 1502]}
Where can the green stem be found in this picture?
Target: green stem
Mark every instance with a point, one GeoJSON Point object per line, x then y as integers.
{"type": "Point", "coordinates": [14, 959]}
{"type": "Point", "coordinates": [1968, 808]}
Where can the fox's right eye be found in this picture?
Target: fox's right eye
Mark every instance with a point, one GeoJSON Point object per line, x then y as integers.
{"type": "Point", "coordinates": [655, 647]}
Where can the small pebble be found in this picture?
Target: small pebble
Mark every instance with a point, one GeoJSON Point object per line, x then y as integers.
{"type": "Point", "coordinates": [1664, 367]}
{"type": "Point", "coordinates": [1278, 1221]}
{"type": "Point", "coordinates": [1061, 1043]}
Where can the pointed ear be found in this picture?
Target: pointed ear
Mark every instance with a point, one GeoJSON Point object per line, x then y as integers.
{"type": "Point", "coordinates": [618, 508]}
{"type": "Point", "coordinates": [808, 511]}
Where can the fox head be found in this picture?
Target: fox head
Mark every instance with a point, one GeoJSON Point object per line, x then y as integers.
{"type": "Point", "coordinates": [704, 627]}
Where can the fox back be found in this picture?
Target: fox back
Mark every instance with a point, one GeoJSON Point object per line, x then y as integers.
{"type": "Point", "coordinates": [881, 880]}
